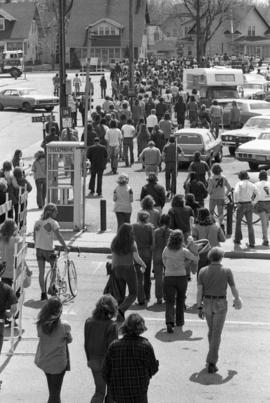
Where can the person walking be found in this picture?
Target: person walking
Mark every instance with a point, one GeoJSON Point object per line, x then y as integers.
{"type": "Point", "coordinates": [52, 355]}
{"type": "Point", "coordinates": [181, 216]}
{"type": "Point", "coordinates": [180, 110]}
{"type": "Point", "coordinates": [97, 155]}
{"type": "Point", "coordinates": [19, 183]}
{"type": "Point", "coordinates": [44, 230]}
{"type": "Point", "coordinates": [194, 186]}
{"type": "Point", "coordinates": [207, 228]}
{"type": "Point", "coordinates": [72, 104]}
{"type": "Point", "coordinates": [114, 140]}
{"type": "Point", "coordinates": [123, 199]}
{"type": "Point", "coordinates": [151, 120]}
{"type": "Point", "coordinates": [143, 136]}
{"type": "Point", "coordinates": [155, 190]}
{"type": "Point", "coordinates": [40, 176]}
{"type": "Point", "coordinates": [147, 204]}
{"type": "Point", "coordinates": [124, 253]}
{"type": "Point", "coordinates": [262, 203]}
{"type": "Point", "coordinates": [212, 304]}
{"type": "Point", "coordinates": [170, 154]}
{"type": "Point", "coordinates": [77, 82]}
{"type": "Point", "coordinates": [103, 86]}
{"type": "Point", "coordinates": [175, 281]}
{"type": "Point", "coordinates": [166, 126]}
{"type": "Point", "coordinates": [17, 160]}
{"type": "Point", "coordinates": [161, 108]}
{"type": "Point", "coordinates": [217, 184]}
{"type": "Point", "coordinates": [244, 193]}
{"type": "Point", "coordinates": [128, 133]}
{"type": "Point", "coordinates": [193, 108]}
{"type": "Point", "coordinates": [130, 363]}
{"type": "Point", "coordinates": [161, 236]}
{"type": "Point", "coordinates": [235, 116]}
{"type": "Point", "coordinates": [143, 235]}
{"type": "Point", "coordinates": [151, 158]}
{"type": "Point", "coordinates": [100, 330]}
{"type": "Point", "coordinates": [216, 116]}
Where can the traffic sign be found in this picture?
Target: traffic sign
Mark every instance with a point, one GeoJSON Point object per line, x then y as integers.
{"type": "Point", "coordinates": [43, 118]}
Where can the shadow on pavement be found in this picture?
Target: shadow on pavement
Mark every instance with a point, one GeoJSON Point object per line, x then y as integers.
{"type": "Point", "coordinates": [33, 209]}
{"type": "Point", "coordinates": [192, 309]}
{"type": "Point", "coordinates": [157, 307]}
{"type": "Point", "coordinates": [204, 378]}
{"type": "Point", "coordinates": [178, 334]}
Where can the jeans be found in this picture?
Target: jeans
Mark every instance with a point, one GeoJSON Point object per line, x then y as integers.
{"type": "Point", "coordinates": [140, 284]}
{"type": "Point", "coordinates": [128, 145]}
{"type": "Point", "coordinates": [215, 311]}
{"type": "Point", "coordinates": [146, 256]}
{"type": "Point", "coordinates": [142, 399]}
{"type": "Point", "coordinates": [219, 203]}
{"type": "Point", "coordinates": [159, 279]}
{"type": "Point", "coordinates": [41, 192]}
{"type": "Point", "coordinates": [55, 384]}
{"type": "Point", "coordinates": [244, 209]}
{"type": "Point", "coordinates": [100, 384]}
{"type": "Point", "coordinates": [99, 173]}
{"type": "Point", "coordinates": [103, 92]}
{"type": "Point", "coordinates": [122, 218]}
{"type": "Point", "coordinates": [175, 287]}
{"type": "Point", "coordinates": [2, 329]}
{"type": "Point", "coordinates": [265, 224]}
{"type": "Point", "coordinates": [114, 155]}
{"type": "Point", "coordinates": [170, 177]}
{"type": "Point", "coordinates": [151, 168]}
{"type": "Point", "coordinates": [126, 275]}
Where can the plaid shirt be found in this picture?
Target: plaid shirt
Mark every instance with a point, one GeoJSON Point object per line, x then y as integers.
{"type": "Point", "coordinates": [129, 364]}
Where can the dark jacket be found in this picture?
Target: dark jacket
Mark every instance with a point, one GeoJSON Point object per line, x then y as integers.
{"type": "Point", "coordinates": [179, 218]}
{"type": "Point", "coordinates": [97, 154]}
{"type": "Point", "coordinates": [156, 191]}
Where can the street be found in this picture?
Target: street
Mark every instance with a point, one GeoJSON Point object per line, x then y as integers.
{"type": "Point", "coordinates": [244, 364]}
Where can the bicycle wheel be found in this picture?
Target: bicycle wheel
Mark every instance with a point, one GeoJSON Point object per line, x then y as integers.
{"type": "Point", "coordinates": [255, 219]}
{"type": "Point", "coordinates": [72, 278]}
{"type": "Point", "coordinates": [48, 280]}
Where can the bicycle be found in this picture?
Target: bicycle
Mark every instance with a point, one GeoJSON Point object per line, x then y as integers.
{"type": "Point", "coordinates": [62, 275]}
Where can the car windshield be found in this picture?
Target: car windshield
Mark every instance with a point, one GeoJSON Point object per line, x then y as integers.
{"type": "Point", "coordinates": [264, 136]}
{"type": "Point", "coordinates": [259, 123]}
{"type": "Point", "coordinates": [27, 91]}
{"type": "Point", "coordinates": [259, 105]}
{"type": "Point", "coordinates": [254, 86]}
{"type": "Point", "coordinates": [190, 138]}
{"type": "Point", "coordinates": [218, 93]}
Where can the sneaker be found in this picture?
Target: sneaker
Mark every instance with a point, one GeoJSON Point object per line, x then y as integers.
{"type": "Point", "coordinates": [265, 243]}
{"type": "Point", "coordinates": [52, 290]}
{"type": "Point", "coordinates": [170, 328]}
{"type": "Point", "coordinates": [212, 368]}
{"type": "Point", "coordinates": [43, 296]}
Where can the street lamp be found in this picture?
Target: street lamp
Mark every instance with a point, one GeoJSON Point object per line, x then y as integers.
{"type": "Point", "coordinates": [62, 58]}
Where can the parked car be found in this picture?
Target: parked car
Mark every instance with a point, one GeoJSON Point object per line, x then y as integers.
{"type": "Point", "coordinates": [27, 99]}
{"type": "Point", "coordinates": [248, 108]}
{"type": "Point", "coordinates": [255, 152]}
{"type": "Point", "coordinates": [250, 131]}
{"type": "Point", "coordinates": [191, 140]}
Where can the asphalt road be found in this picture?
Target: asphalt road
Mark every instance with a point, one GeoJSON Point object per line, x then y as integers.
{"type": "Point", "coordinates": [244, 364]}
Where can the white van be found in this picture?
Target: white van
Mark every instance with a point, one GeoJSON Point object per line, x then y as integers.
{"type": "Point", "coordinates": [254, 83]}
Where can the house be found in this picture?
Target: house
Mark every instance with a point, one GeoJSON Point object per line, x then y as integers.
{"type": "Point", "coordinates": [107, 23]}
{"type": "Point", "coordinates": [20, 29]}
{"type": "Point", "coordinates": [154, 34]}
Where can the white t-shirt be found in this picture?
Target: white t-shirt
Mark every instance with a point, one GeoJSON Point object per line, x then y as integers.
{"type": "Point", "coordinates": [128, 131]}
{"type": "Point", "coordinates": [151, 121]}
{"type": "Point", "coordinates": [114, 137]}
{"type": "Point", "coordinates": [262, 191]}
{"type": "Point", "coordinates": [44, 233]}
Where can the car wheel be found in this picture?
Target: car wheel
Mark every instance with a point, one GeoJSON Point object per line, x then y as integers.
{"type": "Point", "coordinates": [232, 151]}
{"type": "Point", "coordinates": [1, 107]}
{"type": "Point", "coordinates": [253, 166]}
{"type": "Point", "coordinates": [27, 107]}
{"type": "Point", "coordinates": [15, 73]}
{"type": "Point", "coordinates": [218, 157]}
{"type": "Point", "coordinates": [49, 109]}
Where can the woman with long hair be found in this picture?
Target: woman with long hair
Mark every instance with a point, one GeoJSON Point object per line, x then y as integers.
{"type": "Point", "coordinates": [143, 136]}
{"type": "Point", "coordinates": [19, 181]}
{"type": "Point", "coordinates": [147, 204]}
{"type": "Point", "coordinates": [175, 281]}
{"type": "Point", "coordinates": [8, 238]}
{"type": "Point", "coordinates": [124, 252]}
{"type": "Point", "coordinates": [52, 355]}
{"type": "Point", "coordinates": [181, 216]}
{"type": "Point", "coordinates": [161, 236]}
{"type": "Point", "coordinates": [99, 331]}
{"type": "Point", "coordinates": [17, 159]}
{"type": "Point", "coordinates": [44, 230]}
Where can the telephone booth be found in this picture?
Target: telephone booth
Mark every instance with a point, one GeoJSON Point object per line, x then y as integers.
{"type": "Point", "coordinates": [65, 182]}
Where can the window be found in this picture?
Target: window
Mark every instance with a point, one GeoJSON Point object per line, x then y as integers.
{"type": "Point", "coordinates": [251, 31]}
{"type": "Point", "coordinates": [95, 31]}
{"type": "Point", "coordinates": [107, 30]}
{"type": "Point", "coordinates": [187, 29]}
{"type": "Point", "coordinates": [117, 53]}
{"type": "Point", "coordinates": [156, 36]}
{"type": "Point", "coordinates": [111, 53]}
{"type": "Point", "coordinates": [98, 52]}
{"type": "Point", "coordinates": [113, 31]}
{"type": "Point", "coordinates": [2, 24]}
{"type": "Point", "coordinates": [101, 31]}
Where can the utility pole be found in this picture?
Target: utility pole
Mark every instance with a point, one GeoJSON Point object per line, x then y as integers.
{"type": "Point", "coordinates": [62, 57]}
{"type": "Point", "coordinates": [131, 48]}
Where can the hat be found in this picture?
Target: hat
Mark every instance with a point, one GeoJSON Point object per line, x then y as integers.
{"type": "Point", "coordinates": [243, 175]}
{"type": "Point", "coordinates": [152, 177]}
{"type": "Point", "coordinates": [123, 179]}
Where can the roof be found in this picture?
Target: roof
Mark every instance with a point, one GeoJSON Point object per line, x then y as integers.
{"type": "Point", "coordinates": [6, 15]}
{"type": "Point", "coordinates": [245, 38]}
{"type": "Point", "coordinates": [22, 14]}
{"type": "Point", "coordinates": [88, 12]}
{"type": "Point", "coordinates": [109, 21]}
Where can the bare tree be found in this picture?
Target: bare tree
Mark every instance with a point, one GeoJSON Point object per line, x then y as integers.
{"type": "Point", "coordinates": [208, 15]}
